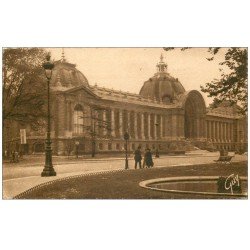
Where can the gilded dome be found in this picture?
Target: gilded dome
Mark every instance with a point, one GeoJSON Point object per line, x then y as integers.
{"type": "Point", "coordinates": [66, 75]}
{"type": "Point", "coordinates": [162, 86]}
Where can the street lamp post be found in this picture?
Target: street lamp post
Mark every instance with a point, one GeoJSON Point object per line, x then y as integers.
{"type": "Point", "coordinates": [77, 148]}
{"type": "Point", "coordinates": [126, 138]}
{"type": "Point", "coordinates": [48, 168]}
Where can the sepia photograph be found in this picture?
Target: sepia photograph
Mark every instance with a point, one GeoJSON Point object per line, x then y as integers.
{"type": "Point", "coordinates": [124, 123]}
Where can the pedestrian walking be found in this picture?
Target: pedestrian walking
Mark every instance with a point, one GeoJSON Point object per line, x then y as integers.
{"type": "Point", "coordinates": [12, 159]}
{"type": "Point", "coordinates": [16, 157]}
{"type": "Point", "coordinates": [138, 157]}
{"type": "Point", "coordinates": [148, 160]}
{"type": "Point", "coordinates": [157, 154]}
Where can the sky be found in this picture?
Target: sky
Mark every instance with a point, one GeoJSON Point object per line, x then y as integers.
{"type": "Point", "coordinates": [127, 69]}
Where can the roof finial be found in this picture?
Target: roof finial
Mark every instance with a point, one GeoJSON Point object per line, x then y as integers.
{"type": "Point", "coordinates": [161, 58]}
{"type": "Point", "coordinates": [162, 66]}
{"type": "Point", "coordinates": [63, 56]}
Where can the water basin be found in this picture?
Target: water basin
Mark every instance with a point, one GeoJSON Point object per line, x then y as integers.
{"type": "Point", "coordinates": [204, 185]}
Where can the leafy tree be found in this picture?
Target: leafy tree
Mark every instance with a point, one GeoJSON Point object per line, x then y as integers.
{"type": "Point", "coordinates": [232, 85]}
{"type": "Point", "coordinates": [24, 86]}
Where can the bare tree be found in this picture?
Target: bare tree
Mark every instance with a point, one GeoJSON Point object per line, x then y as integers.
{"type": "Point", "coordinates": [96, 124]}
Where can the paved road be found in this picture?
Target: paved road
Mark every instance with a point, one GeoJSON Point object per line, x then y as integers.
{"type": "Point", "coordinates": [18, 177]}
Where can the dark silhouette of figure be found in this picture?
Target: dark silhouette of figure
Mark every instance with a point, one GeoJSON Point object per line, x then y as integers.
{"type": "Point", "coordinates": [16, 157]}
{"type": "Point", "coordinates": [138, 157]}
{"type": "Point", "coordinates": [157, 154]}
{"type": "Point", "coordinates": [12, 156]}
{"type": "Point", "coordinates": [148, 160]}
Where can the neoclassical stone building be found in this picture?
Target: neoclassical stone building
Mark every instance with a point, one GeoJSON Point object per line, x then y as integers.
{"type": "Point", "coordinates": [163, 115]}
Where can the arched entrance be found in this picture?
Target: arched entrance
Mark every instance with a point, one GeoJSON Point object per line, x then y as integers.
{"type": "Point", "coordinates": [195, 111]}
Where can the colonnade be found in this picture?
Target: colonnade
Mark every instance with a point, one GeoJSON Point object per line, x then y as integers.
{"type": "Point", "coordinates": [145, 125]}
{"type": "Point", "coordinates": [140, 125]}
{"type": "Point", "coordinates": [220, 131]}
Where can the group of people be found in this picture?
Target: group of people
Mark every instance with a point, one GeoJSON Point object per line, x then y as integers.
{"type": "Point", "coordinates": [12, 155]}
{"type": "Point", "coordinates": [147, 160]}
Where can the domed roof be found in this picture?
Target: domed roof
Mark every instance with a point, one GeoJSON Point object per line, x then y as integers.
{"type": "Point", "coordinates": [66, 75]}
{"type": "Point", "coordinates": [162, 86]}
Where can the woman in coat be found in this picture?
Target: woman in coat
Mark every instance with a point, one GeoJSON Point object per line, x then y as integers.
{"type": "Point", "coordinates": [148, 160]}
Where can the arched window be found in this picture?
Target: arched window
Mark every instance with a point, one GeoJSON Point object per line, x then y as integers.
{"type": "Point", "coordinates": [78, 119]}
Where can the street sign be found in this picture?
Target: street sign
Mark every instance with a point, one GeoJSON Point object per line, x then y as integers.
{"type": "Point", "coordinates": [23, 136]}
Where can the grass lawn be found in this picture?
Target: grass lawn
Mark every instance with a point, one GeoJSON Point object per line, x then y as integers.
{"type": "Point", "coordinates": [125, 184]}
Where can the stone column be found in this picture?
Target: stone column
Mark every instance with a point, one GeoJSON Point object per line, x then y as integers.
{"type": "Point", "coordinates": [222, 131]}
{"type": "Point", "coordinates": [212, 130]}
{"type": "Point", "coordinates": [112, 124]}
{"type": "Point", "coordinates": [149, 126]}
{"type": "Point", "coordinates": [208, 129]}
{"type": "Point", "coordinates": [215, 131]}
{"type": "Point", "coordinates": [227, 132]}
{"type": "Point", "coordinates": [128, 122]}
{"type": "Point", "coordinates": [161, 127]}
{"type": "Point", "coordinates": [166, 126]}
{"type": "Point", "coordinates": [216, 124]}
{"type": "Point", "coordinates": [120, 123]}
{"type": "Point", "coordinates": [97, 124]}
{"type": "Point", "coordinates": [142, 126]}
{"type": "Point", "coordinates": [211, 127]}
{"type": "Point", "coordinates": [104, 125]}
{"type": "Point", "coordinates": [155, 127]}
{"type": "Point", "coordinates": [238, 131]}
{"type": "Point", "coordinates": [135, 126]}
{"type": "Point", "coordinates": [232, 132]}
{"type": "Point", "coordinates": [219, 131]}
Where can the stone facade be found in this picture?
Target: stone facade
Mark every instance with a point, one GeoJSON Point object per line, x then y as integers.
{"type": "Point", "coordinates": [163, 116]}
